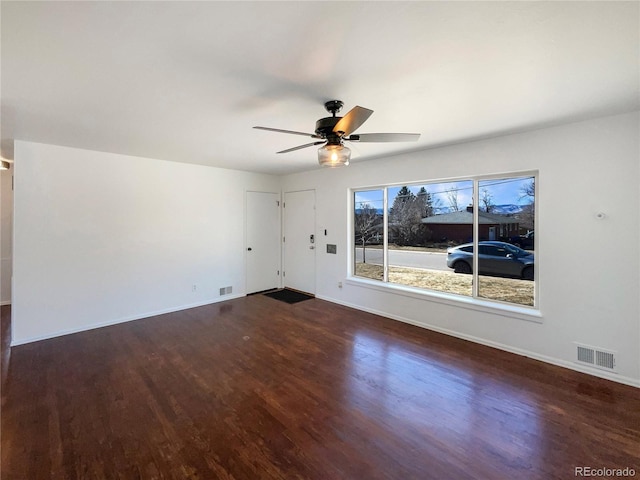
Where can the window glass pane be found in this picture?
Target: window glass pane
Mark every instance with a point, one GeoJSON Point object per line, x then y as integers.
{"type": "Point", "coordinates": [368, 233]}
{"type": "Point", "coordinates": [424, 221]}
{"type": "Point", "coordinates": [506, 232]}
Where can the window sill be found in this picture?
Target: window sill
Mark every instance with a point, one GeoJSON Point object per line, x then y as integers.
{"type": "Point", "coordinates": [529, 314]}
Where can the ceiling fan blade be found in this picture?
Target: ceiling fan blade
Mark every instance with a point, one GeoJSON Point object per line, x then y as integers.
{"type": "Point", "coordinates": [352, 120]}
{"type": "Point", "coordinates": [301, 146]}
{"type": "Point", "coordinates": [312, 135]}
{"type": "Point", "coordinates": [384, 137]}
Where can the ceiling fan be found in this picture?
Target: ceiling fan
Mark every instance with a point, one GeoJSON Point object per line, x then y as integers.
{"type": "Point", "coordinates": [333, 131]}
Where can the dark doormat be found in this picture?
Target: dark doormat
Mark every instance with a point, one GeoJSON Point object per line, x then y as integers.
{"type": "Point", "coordinates": [289, 296]}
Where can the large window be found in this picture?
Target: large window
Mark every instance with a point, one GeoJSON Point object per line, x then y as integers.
{"type": "Point", "coordinates": [471, 237]}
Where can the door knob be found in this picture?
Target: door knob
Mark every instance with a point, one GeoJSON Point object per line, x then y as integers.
{"type": "Point", "coordinates": [249, 248]}
{"type": "Point", "coordinates": [311, 247]}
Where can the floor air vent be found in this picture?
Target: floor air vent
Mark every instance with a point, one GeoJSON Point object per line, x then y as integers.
{"type": "Point", "coordinates": [226, 290]}
{"type": "Point", "coordinates": [595, 357]}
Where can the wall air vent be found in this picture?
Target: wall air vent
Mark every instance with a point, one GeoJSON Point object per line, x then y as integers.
{"type": "Point", "coordinates": [226, 290]}
{"type": "Point", "coordinates": [596, 357]}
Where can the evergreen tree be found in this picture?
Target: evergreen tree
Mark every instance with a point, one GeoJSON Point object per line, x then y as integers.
{"type": "Point", "coordinates": [425, 203]}
{"type": "Point", "coordinates": [406, 214]}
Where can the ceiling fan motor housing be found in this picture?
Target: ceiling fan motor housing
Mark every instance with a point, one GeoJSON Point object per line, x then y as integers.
{"type": "Point", "coordinates": [324, 128]}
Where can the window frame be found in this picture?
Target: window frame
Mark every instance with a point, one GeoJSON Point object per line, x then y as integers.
{"type": "Point", "coordinates": [473, 302]}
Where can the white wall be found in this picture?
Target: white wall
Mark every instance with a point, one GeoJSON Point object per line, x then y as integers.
{"type": "Point", "coordinates": [588, 268]}
{"type": "Point", "coordinates": [102, 238]}
{"type": "Point", "coordinates": [6, 232]}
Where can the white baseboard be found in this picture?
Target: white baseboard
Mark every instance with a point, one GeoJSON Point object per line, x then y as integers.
{"type": "Point", "coordinates": [507, 348]}
{"type": "Point", "coordinates": [123, 320]}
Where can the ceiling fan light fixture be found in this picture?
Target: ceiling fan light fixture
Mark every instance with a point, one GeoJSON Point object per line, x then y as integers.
{"type": "Point", "coordinates": [334, 156]}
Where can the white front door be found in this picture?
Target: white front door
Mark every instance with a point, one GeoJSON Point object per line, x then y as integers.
{"type": "Point", "coordinates": [300, 241]}
{"type": "Point", "coordinates": [263, 241]}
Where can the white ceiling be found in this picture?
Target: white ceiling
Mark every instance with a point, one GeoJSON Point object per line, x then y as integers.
{"type": "Point", "coordinates": [186, 81]}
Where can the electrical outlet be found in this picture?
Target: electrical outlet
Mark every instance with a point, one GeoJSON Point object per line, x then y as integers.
{"type": "Point", "coordinates": [194, 288]}
{"type": "Point", "coordinates": [339, 284]}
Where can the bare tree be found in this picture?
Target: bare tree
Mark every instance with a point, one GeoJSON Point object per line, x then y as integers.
{"type": "Point", "coordinates": [486, 199]}
{"type": "Point", "coordinates": [529, 190]}
{"type": "Point", "coordinates": [452, 198]}
{"type": "Point", "coordinates": [367, 224]}
{"type": "Point", "coordinates": [527, 216]}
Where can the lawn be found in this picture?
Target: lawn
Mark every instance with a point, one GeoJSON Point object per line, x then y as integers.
{"type": "Point", "coordinates": [493, 288]}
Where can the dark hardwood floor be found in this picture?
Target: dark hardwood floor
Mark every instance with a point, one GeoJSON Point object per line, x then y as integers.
{"type": "Point", "coordinates": [5, 350]}
{"type": "Point", "coordinates": [254, 388]}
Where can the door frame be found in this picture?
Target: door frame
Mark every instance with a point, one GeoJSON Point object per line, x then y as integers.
{"type": "Point", "coordinates": [283, 243]}
{"type": "Point", "coordinates": [246, 239]}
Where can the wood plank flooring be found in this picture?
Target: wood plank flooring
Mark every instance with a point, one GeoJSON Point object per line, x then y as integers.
{"type": "Point", "coordinates": [254, 388]}
{"type": "Point", "coordinates": [5, 341]}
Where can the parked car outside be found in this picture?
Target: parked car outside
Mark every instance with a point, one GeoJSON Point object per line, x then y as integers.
{"type": "Point", "coordinates": [524, 241]}
{"type": "Point", "coordinates": [496, 258]}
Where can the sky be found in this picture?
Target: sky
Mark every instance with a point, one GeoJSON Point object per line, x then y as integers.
{"type": "Point", "coordinates": [501, 191]}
